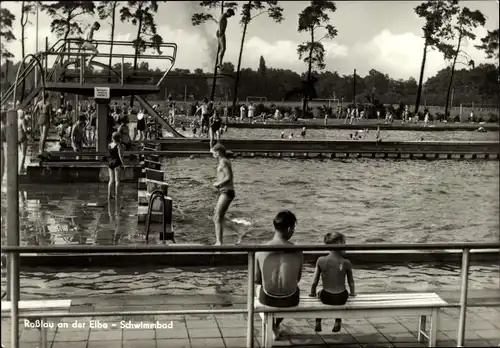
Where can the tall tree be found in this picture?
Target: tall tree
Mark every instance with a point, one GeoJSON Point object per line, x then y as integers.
{"type": "Point", "coordinates": [467, 21]}
{"type": "Point", "coordinates": [489, 44]}
{"type": "Point", "coordinates": [27, 8]}
{"type": "Point", "coordinates": [203, 17]}
{"type": "Point", "coordinates": [249, 11]}
{"type": "Point", "coordinates": [312, 52]}
{"type": "Point", "coordinates": [107, 9]}
{"type": "Point", "coordinates": [262, 66]}
{"type": "Point", "coordinates": [437, 27]}
{"type": "Point", "coordinates": [141, 14]}
{"type": "Point", "coordinates": [64, 14]}
{"type": "Point", "coordinates": [6, 35]}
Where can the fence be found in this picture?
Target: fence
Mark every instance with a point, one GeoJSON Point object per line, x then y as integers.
{"type": "Point", "coordinates": [14, 252]}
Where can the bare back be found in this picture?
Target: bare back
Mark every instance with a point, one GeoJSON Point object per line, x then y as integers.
{"type": "Point", "coordinates": [280, 272]}
{"type": "Point", "coordinates": [222, 25]}
{"type": "Point", "coordinates": [334, 269]}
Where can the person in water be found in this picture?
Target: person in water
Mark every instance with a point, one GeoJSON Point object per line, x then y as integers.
{"type": "Point", "coordinates": [215, 128]}
{"type": "Point", "coordinates": [277, 273]}
{"type": "Point", "coordinates": [333, 269]}
{"type": "Point", "coordinates": [225, 186]}
{"type": "Point", "coordinates": [115, 163]}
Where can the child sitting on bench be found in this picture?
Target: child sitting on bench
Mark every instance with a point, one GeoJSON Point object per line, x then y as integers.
{"type": "Point", "coordinates": [334, 269]}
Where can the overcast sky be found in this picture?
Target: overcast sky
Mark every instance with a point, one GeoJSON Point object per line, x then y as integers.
{"type": "Point", "coordinates": [382, 35]}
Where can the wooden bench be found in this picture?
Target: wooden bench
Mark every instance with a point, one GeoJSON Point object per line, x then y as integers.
{"type": "Point", "coordinates": [361, 307]}
{"type": "Point", "coordinates": [36, 306]}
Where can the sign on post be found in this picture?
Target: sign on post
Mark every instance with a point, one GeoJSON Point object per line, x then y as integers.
{"type": "Point", "coordinates": [102, 93]}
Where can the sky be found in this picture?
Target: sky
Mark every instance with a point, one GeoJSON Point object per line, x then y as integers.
{"type": "Point", "coordinates": [381, 35]}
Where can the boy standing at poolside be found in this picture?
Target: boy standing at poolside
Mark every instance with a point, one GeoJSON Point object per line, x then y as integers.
{"type": "Point", "coordinates": [334, 269]}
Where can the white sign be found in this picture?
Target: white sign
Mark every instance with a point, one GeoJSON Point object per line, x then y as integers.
{"type": "Point", "coordinates": [101, 92]}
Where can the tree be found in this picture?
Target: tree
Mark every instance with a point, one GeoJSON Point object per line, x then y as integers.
{"type": "Point", "coordinates": [247, 14]}
{"type": "Point", "coordinates": [27, 8]}
{"type": "Point", "coordinates": [141, 14]}
{"type": "Point", "coordinates": [437, 27]}
{"type": "Point", "coordinates": [63, 15]}
{"type": "Point", "coordinates": [107, 9]}
{"type": "Point", "coordinates": [201, 18]}
{"type": "Point", "coordinates": [313, 17]}
{"type": "Point", "coordinates": [466, 21]}
{"type": "Point", "coordinates": [489, 44]}
{"type": "Point", "coordinates": [6, 36]}
{"type": "Point", "coordinates": [262, 66]}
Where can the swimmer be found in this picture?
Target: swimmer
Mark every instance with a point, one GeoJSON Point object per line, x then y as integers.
{"type": "Point", "coordinates": [78, 137]}
{"type": "Point", "coordinates": [303, 132]}
{"type": "Point", "coordinates": [225, 186]}
{"type": "Point", "coordinates": [214, 130]}
{"type": "Point", "coordinates": [290, 136]}
{"type": "Point", "coordinates": [88, 42]}
{"type": "Point", "coordinates": [22, 136]}
{"type": "Point", "coordinates": [333, 269]}
{"type": "Point", "coordinates": [282, 135]}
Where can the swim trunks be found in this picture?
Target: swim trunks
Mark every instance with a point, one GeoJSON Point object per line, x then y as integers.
{"type": "Point", "coordinates": [291, 300]}
{"type": "Point", "coordinates": [228, 192]}
{"type": "Point", "coordinates": [328, 298]}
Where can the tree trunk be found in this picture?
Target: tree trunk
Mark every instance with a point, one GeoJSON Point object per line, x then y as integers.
{"type": "Point", "coordinates": [451, 77]}
{"type": "Point", "coordinates": [236, 82]}
{"type": "Point", "coordinates": [309, 71]}
{"type": "Point", "coordinates": [113, 20]}
{"type": "Point", "coordinates": [421, 79]}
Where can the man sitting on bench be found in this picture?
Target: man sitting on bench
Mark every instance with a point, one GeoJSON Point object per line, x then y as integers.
{"type": "Point", "coordinates": [334, 269]}
{"type": "Point", "coordinates": [278, 273]}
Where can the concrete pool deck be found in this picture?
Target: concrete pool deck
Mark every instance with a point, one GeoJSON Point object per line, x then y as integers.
{"type": "Point", "coordinates": [229, 330]}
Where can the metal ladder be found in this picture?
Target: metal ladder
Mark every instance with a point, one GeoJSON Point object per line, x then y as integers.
{"type": "Point", "coordinates": [165, 235]}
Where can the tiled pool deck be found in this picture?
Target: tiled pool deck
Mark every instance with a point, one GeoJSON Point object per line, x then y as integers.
{"type": "Point", "coordinates": [221, 331]}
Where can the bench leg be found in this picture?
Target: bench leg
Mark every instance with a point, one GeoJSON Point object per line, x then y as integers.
{"type": "Point", "coordinates": [433, 328]}
{"type": "Point", "coordinates": [421, 328]}
{"type": "Point", "coordinates": [269, 330]}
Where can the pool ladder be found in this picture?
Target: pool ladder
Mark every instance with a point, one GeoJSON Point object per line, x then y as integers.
{"type": "Point", "coordinates": [167, 233]}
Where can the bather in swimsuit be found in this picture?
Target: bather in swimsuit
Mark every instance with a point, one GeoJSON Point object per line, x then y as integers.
{"type": "Point", "coordinates": [228, 192]}
{"type": "Point", "coordinates": [291, 300]}
{"type": "Point", "coordinates": [331, 299]}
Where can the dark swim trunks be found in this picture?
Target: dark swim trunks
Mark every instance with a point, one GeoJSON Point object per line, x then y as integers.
{"type": "Point", "coordinates": [333, 299]}
{"type": "Point", "coordinates": [229, 192]}
{"type": "Point", "coordinates": [283, 302]}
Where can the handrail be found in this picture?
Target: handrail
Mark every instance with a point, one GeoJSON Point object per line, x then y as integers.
{"type": "Point", "coordinates": [142, 249]}
{"type": "Point", "coordinates": [250, 249]}
{"type": "Point", "coordinates": [162, 195]}
{"type": "Point", "coordinates": [30, 68]}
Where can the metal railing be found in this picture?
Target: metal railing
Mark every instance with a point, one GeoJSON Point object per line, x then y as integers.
{"type": "Point", "coordinates": [159, 250]}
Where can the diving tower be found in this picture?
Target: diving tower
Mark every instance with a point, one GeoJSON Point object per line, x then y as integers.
{"type": "Point", "coordinates": [69, 75]}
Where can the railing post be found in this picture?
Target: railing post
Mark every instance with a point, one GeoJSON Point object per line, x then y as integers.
{"type": "Point", "coordinates": [13, 220]}
{"type": "Point", "coordinates": [82, 61]}
{"type": "Point", "coordinates": [250, 298]}
{"type": "Point", "coordinates": [122, 71]}
{"type": "Point", "coordinates": [464, 287]}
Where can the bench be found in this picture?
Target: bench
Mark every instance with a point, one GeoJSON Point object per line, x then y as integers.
{"type": "Point", "coordinates": [36, 306]}
{"type": "Point", "coordinates": [361, 307]}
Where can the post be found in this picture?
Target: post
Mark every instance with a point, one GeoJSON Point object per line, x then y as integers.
{"type": "Point", "coordinates": [122, 71]}
{"type": "Point", "coordinates": [250, 298]}
{"type": "Point", "coordinates": [102, 125]}
{"type": "Point", "coordinates": [46, 58]}
{"type": "Point", "coordinates": [82, 68]}
{"type": "Point", "coordinates": [13, 221]}
{"type": "Point", "coordinates": [464, 287]}
{"type": "Point", "coordinates": [36, 43]}
{"type": "Point", "coordinates": [185, 93]}
{"type": "Point", "coordinates": [354, 88]}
